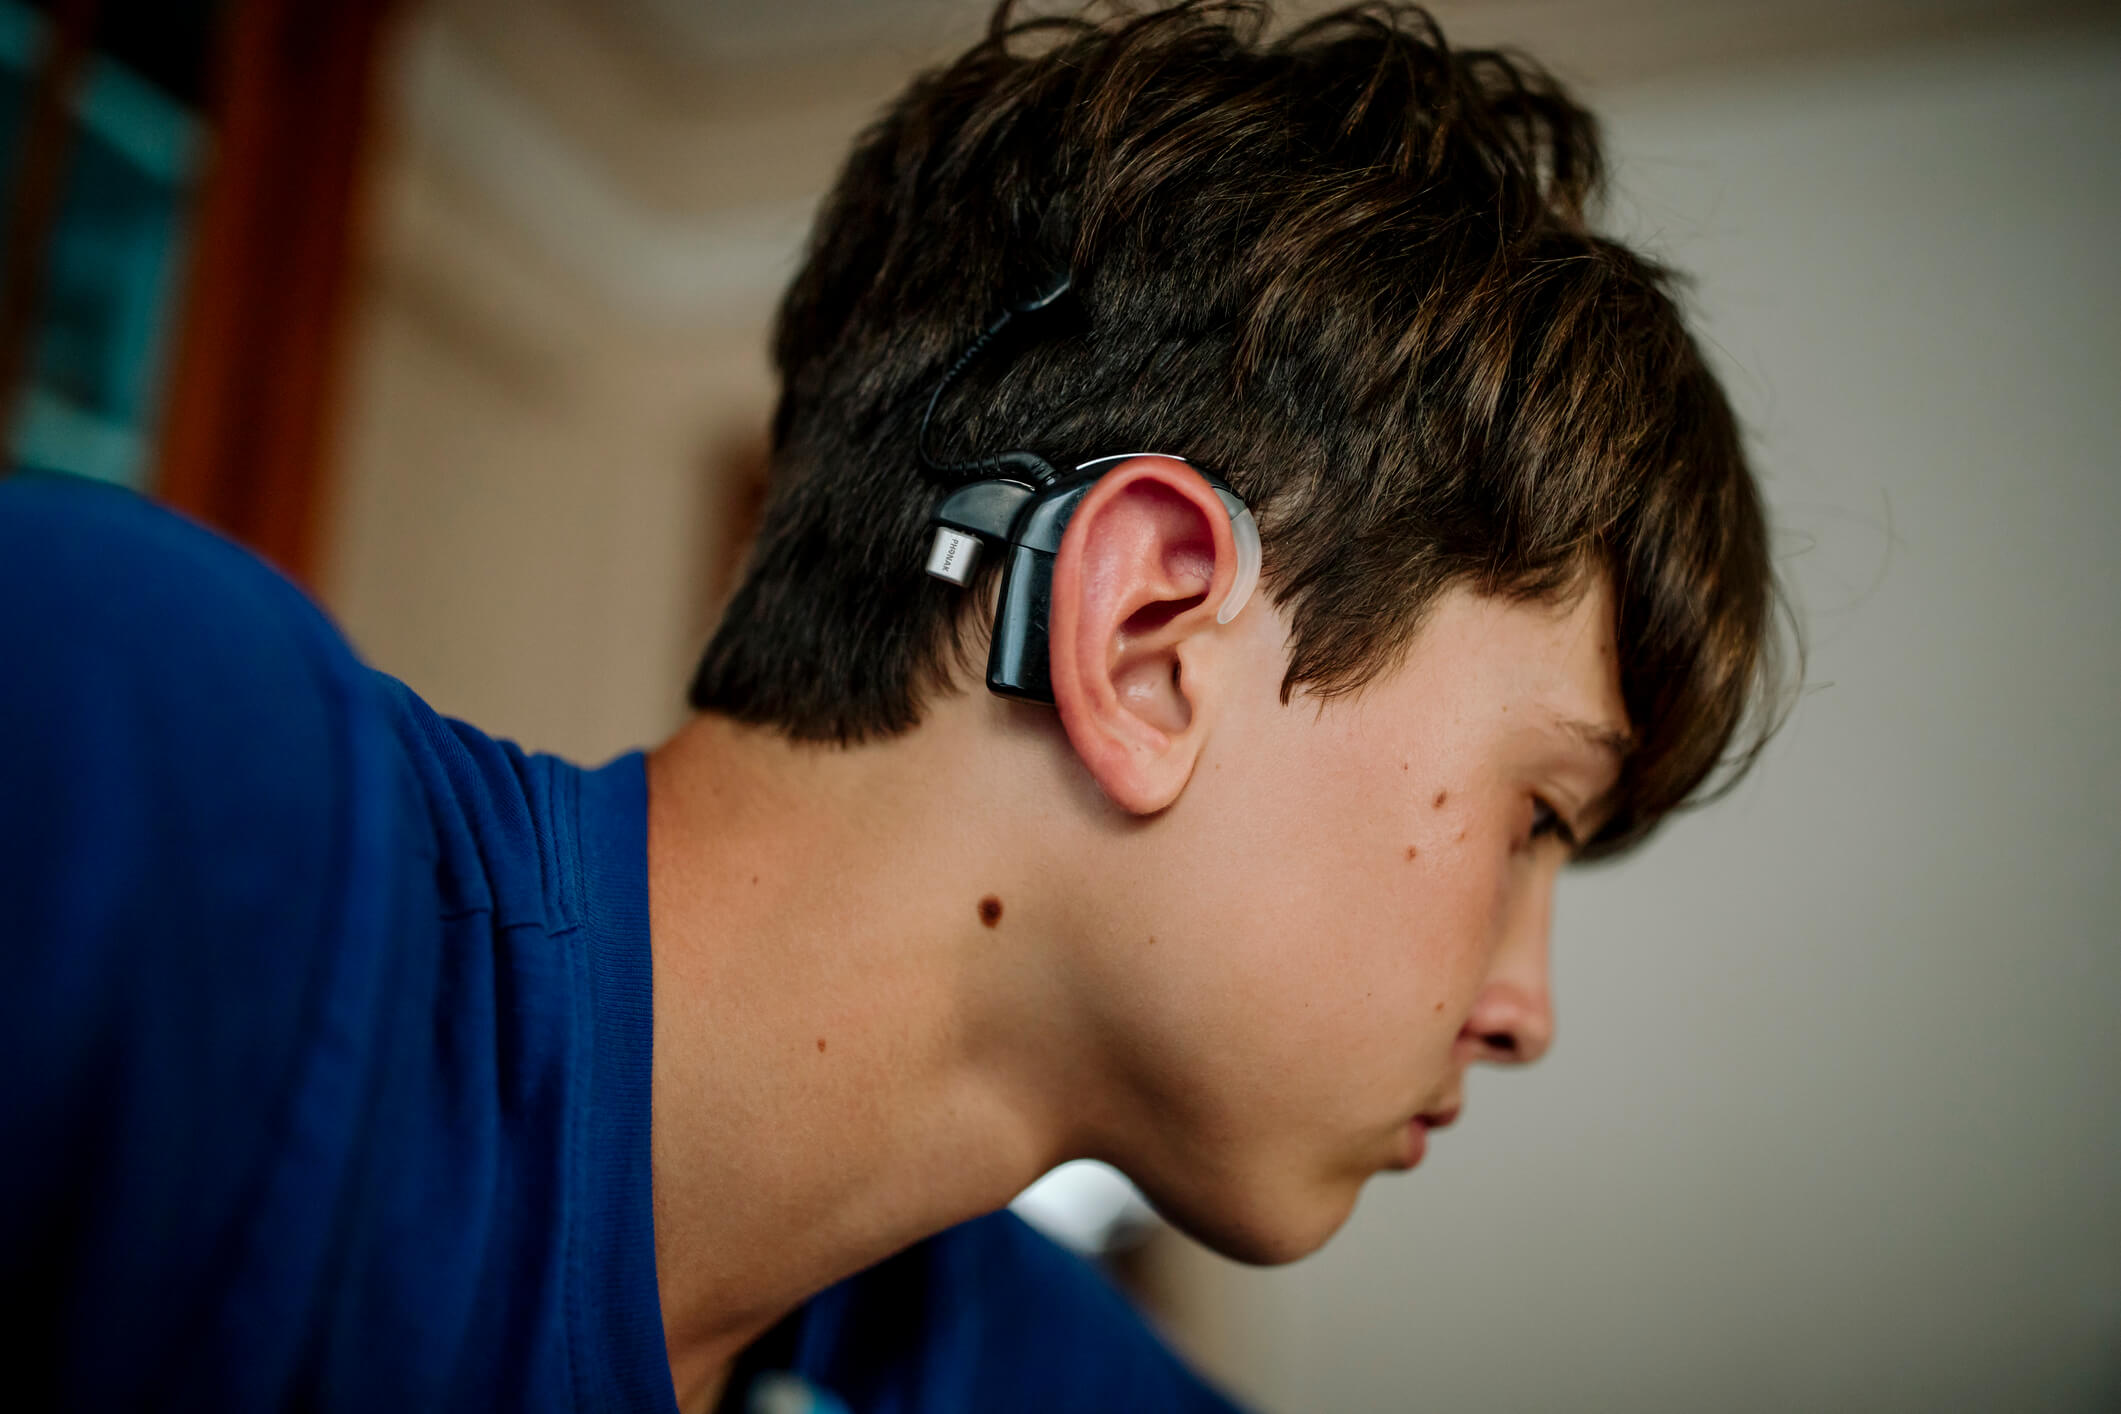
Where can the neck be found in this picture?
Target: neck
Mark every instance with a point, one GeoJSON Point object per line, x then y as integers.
{"type": "Point", "coordinates": [847, 1057]}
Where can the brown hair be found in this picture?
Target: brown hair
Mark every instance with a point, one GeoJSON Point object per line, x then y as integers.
{"type": "Point", "coordinates": [1346, 267]}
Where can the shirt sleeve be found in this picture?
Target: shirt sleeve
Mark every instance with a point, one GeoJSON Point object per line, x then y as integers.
{"type": "Point", "coordinates": [173, 868]}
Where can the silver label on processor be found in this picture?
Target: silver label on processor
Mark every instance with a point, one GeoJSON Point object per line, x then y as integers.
{"type": "Point", "coordinates": [953, 556]}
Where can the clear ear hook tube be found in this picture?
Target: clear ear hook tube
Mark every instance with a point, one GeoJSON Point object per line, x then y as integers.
{"type": "Point", "coordinates": [1245, 531]}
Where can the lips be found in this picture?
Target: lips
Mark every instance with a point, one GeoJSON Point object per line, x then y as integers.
{"type": "Point", "coordinates": [1414, 1142]}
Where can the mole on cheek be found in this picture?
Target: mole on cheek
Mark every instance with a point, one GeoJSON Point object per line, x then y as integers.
{"type": "Point", "coordinates": [1441, 797]}
{"type": "Point", "coordinates": [1439, 1006]}
{"type": "Point", "coordinates": [821, 1045]}
{"type": "Point", "coordinates": [990, 910]}
{"type": "Point", "coordinates": [1411, 851]}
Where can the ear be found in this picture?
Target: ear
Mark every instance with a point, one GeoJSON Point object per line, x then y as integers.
{"type": "Point", "coordinates": [1146, 561]}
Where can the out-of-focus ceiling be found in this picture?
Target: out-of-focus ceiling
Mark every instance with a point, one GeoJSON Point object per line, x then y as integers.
{"type": "Point", "coordinates": [670, 151]}
{"type": "Point", "coordinates": [1599, 42]}
{"type": "Point", "coordinates": [726, 33]}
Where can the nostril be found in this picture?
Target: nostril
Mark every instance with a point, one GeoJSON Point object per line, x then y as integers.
{"type": "Point", "coordinates": [1501, 1041]}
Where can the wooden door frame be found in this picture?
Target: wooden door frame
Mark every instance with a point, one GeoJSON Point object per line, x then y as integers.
{"type": "Point", "coordinates": [258, 355]}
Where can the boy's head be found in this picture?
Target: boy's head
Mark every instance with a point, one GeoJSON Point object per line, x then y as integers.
{"type": "Point", "coordinates": [1516, 603]}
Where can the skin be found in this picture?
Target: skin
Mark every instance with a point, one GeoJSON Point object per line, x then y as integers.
{"type": "Point", "coordinates": [1241, 946]}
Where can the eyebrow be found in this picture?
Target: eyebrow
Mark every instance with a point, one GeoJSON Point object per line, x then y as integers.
{"type": "Point", "coordinates": [1599, 737]}
{"type": "Point", "coordinates": [1611, 742]}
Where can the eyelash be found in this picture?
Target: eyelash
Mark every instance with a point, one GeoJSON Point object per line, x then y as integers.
{"type": "Point", "coordinates": [1546, 820]}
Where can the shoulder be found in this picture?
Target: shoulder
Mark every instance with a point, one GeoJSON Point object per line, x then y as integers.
{"type": "Point", "coordinates": [175, 712]}
{"type": "Point", "coordinates": [133, 634]}
{"type": "Point", "coordinates": [98, 578]}
{"type": "Point", "coordinates": [187, 758]}
{"type": "Point", "coordinates": [183, 734]}
{"type": "Point", "coordinates": [196, 815]}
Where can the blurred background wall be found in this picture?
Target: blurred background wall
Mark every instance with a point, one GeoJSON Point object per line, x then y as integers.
{"type": "Point", "coordinates": [1835, 1119]}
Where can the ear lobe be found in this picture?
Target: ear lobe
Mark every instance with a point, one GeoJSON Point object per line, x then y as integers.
{"type": "Point", "coordinates": [1146, 561]}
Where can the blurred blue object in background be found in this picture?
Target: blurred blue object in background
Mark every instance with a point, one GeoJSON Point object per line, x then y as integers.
{"type": "Point", "coordinates": [90, 400]}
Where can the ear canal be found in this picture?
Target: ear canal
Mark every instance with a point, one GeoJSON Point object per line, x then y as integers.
{"type": "Point", "coordinates": [1245, 531]}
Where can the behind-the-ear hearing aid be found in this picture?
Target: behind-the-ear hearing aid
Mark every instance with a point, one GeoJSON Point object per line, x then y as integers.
{"type": "Point", "coordinates": [1017, 501]}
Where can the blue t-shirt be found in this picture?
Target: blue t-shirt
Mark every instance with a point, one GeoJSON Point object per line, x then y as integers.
{"type": "Point", "coordinates": [325, 1039]}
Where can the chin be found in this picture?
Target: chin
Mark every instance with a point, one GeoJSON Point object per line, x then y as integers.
{"type": "Point", "coordinates": [1263, 1230]}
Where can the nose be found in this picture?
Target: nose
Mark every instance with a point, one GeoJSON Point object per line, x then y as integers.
{"type": "Point", "coordinates": [1512, 1020]}
{"type": "Point", "coordinates": [1509, 1025]}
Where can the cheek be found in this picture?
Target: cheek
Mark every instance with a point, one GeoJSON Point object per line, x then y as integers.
{"type": "Point", "coordinates": [1438, 953]}
{"type": "Point", "coordinates": [1353, 920]}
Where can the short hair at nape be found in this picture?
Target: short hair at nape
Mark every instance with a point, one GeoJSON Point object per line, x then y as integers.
{"type": "Point", "coordinates": [1346, 266]}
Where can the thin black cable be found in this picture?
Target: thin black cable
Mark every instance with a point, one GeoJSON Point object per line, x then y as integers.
{"type": "Point", "coordinates": [1027, 463]}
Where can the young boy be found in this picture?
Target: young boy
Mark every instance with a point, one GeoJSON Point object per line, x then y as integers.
{"type": "Point", "coordinates": [357, 1061]}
